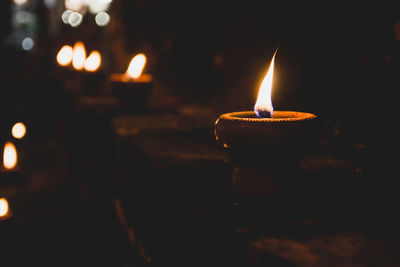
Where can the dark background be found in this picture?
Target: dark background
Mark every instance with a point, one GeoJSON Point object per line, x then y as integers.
{"type": "Point", "coordinates": [335, 60]}
{"type": "Point", "coordinates": [338, 61]}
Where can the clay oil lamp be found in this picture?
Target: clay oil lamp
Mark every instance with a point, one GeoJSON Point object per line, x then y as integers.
{"type": "Point", "coordinates": [133, 86]}
{"type": "Point", "coordinates": [263, 143]}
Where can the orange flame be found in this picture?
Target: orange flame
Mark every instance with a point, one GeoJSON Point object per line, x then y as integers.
{"type": "Point", "coordinates": [4, 208]}
{"type": "Point", "coordinates": [18, 130]}
{"type": "Point", "coordinates": [10, 157]}
{"type": "Point", "coordinates": [263, 107]}
{"type": "Point", "coordinates": [136, 66]}
{"type": "Point", "coordinates": [79, 56]}
{"type": "Point", "coordinates": [64, 56]}
{"type": "Point", "coordinates": [93, 62]}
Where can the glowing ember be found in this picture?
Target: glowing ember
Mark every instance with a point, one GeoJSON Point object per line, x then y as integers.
{"type": "Point", "coordinates": [3, 207]}
{"type": "Point", "coordinates": [79, 56]}
{"type": "Point", "coordinates": [263, 107]}
{"type": "Point", "coordinates": [64, 56]}
{"type": "Point", "coordinates": [136, 66]}
{"type": "Point", "coordinates": [18, 130]}
{"type": "Point", "coordinates": [9, 156]}
{"type": "Point", "coordinates": [93, 62]}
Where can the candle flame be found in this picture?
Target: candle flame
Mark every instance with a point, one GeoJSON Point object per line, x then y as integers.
{"type": "Point", "coordinates": [64, 56]}
{"type": "Point", "coordinates": [9, 156]}
{"type": "Point", "coordinates": [3, 207]}
{"type": "Point", "coordinates": [93, 62]}
{"type": "Point", "coordinates": [18, 130]}
{"type": "Point", "coordinates": [263, 107]}
{"type": "Point", "coordinates": [136, 66]}
{"type": "Point", "coordinates": [79, 56]}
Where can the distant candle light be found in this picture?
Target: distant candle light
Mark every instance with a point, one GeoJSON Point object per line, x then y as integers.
{"type": "Point", "coordinates": [79, 56]}
{"type": "Point", "coordinates": [18, 130]}
{"type": "Point", "coordinates": [136, 66]}
{"type": "Point", "coordinates": [3, 207]}
{"type": "Point", "coordinates": [64, 56]}
{"type": "Point", "coordinates": [93, 62]}
{"type": "Point", "coordinates": [9, 156]}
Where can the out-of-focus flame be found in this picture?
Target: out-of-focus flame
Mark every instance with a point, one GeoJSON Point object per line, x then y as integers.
{"type": "Point", "coordinates": [9, 156]}
{"type": "Point", "coordinates": [64, 56]}
{"type": "Point", "coordinates": [93, 62]}
{"type": "Point", "coordinates": [263, 107]}
{"type": "Point", "coordinates": [18, 130]}
{"type": "Point", "coordinates": [3, 207]}
{"type": "Point", "coordinates": [79, 56]}
{"type": "Point", "coordinates": [136, 66]}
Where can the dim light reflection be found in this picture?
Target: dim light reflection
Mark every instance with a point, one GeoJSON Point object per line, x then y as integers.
{"type": "Point", "coordinates": [18, 130]}
{"type": "Point", "coordinates": [96, 6]}
{"type": "Point", "coordinates": [27, 44]}
{"type": "Point", "coordinates": [75, 5]}
{"type": "Point", "coordinates": [136, 66]}
{"type": "Point", "coordinates": [20, 2]}
{"type": "Point", "coordinates": [75, 19]}
{"type": "Point", "coordinates": [65, 15]}
{"type": "Point", "coordinates": [78, 56]}
{"type": "Point", "coordinates": [3, 207]}
{"type": "Point", "coordinates": [64, 56]}
{"type": "Point", "coordinates": [10, 158]}
{"type": "Point", "coordinates": [102, 19]}
{"type": "Point", "coordinates": [93, 62]}
{"type": "Point", "coordinates": [263, 107]}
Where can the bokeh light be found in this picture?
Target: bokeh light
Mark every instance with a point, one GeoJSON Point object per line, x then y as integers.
{"type": "Point", "coordinates": [102, 18]}
{"type": "Point", "coordinates": [18, 130]}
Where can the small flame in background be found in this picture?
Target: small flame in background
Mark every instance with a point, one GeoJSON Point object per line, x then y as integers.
{"type": "Point", "coordinates": [78, 56]}
{"type": "Point", "coordinates": [18, 130]}
{"type": "Point", "coordinates": [263, 107]}
{"type": "Point", "coordinates": [64, 56]}
{"type": "Point", "coordinates": [4, 208]}
{"type": "Point", "coordinates": [93, 62]}
{"type": "Point", "coordinates": [136, 66]}
{"type": "Point", "coordinates": [10, 158]}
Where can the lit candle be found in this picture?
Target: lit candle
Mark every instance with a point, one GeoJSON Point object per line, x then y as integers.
{"type": "Point", "coordinates": [265, 145]}
{"type": "Point", "coordinates": [133, 86]}
{"type": "Point", "coordinates": [263, 126]}
{"type": "Point", "coordinates": [80, 73]}
{"type": "Point", "coordinates": [18, 130]}
{"type": "Point", "coordinates": [10, 157]}
{"type": "Point", "coordinates": [5, 212]}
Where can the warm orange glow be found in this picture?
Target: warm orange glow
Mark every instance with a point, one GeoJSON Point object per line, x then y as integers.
{"type": "Point", "coordinates": [64, 56]}
{"type": "Point", "coordinates": [18, 130]}
{"type": "Point", "coordinates": [264, 104]}
{"type": "Point", "coordinates": [9, 156]}
{"type": "Point", "coordinates": [79, 56]}
{"type": "Point", "coordinates": [93, 62]}
{"type": "Point", "coordinates": [136, 66]}
{"type": "Point", "coordinates": [3, 207]}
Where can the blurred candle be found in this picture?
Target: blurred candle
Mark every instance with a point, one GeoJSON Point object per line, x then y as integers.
{"type": "Point", "coordinates": [93, 62]}
{"type": "Point", "coordinates": [133, 86]}
{"type": "Point", "coordinates": [10, 158]}
{"type": "Point", "coordinates": [79, 56]}
{"type": "Point", "coordinates": [18, 130]}
{"type": "Point", "coordinates": [64, 56]}
{"type": "Point", "coordinates": [4, 208]}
